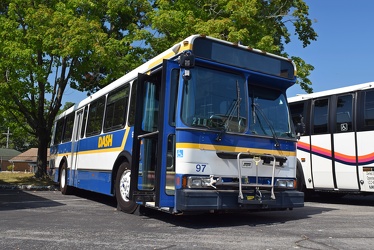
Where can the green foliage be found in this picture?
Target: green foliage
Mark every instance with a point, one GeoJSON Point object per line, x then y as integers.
{"type": "Point", "coordinates": [46, 45]}
{"type": "Point", "coordinates": [66, 107]}
{"type": "Point", "coordinates": [19, 138]}
{"type": "Point", "coordinates": [10, 168]}
{"type": "Point", "coordinates": [260, 24]}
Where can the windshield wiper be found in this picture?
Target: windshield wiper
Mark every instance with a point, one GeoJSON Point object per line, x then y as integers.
{"type": "Point", "coordinates": [235, 105]}
{"type": "Point", "coordinates": [256, 109]}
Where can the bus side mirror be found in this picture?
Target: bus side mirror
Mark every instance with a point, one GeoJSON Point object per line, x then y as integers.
{"type": "Point", "coordinates": [187, 60]}
{"type": "Point", "coordinates": [300, 129]}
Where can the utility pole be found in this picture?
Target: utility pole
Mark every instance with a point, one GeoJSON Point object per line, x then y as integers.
{"type": "Point", "coordinates": [7, 138]}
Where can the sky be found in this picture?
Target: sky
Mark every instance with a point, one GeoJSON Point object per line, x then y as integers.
{"type": "Point", "coordinates": [343, 54]}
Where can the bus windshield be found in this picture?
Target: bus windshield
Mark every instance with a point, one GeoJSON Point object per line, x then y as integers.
{"type": "Point", "coordinates": [215, 100]}
{"type": "Point", "coordinates": [269, 113]}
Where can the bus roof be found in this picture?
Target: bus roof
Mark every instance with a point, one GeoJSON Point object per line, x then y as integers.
{"type": "Point", "coordinates": [174, 51]}
{"type": "Point", "coordinates": [351, 88]}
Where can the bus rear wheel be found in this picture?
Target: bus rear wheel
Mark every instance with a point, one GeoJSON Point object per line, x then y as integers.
{"type": "Point", "coordinates": [122, 189]}
{"type": "Point", "coordinates": [64, 187]}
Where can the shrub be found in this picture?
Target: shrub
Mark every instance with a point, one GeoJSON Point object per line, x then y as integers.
{"type": "Point", "coordinates": [10, 168]}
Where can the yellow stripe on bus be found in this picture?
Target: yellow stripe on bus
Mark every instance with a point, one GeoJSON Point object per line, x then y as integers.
{"type": "Point", "coordinates": [235, 149]}
{"type": "Point", "coordinates": [104, 150]}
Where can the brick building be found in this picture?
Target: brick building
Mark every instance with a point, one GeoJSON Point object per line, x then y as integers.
{"type": "Point", "coordinates": [26, 161]}
{"type": "Point", "coordinates": [5, 155]}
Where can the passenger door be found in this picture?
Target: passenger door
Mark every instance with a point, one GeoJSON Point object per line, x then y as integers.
{"type": "Point", "coordinates": [75, 145]}
{"type": "Point", "coordinates": [321, 146]}
{"type": "Point", "coordinates": [333, 143]}
{"type": "Point", "coordinates": [153, 156]}
{"type": "Point", "coordinates": [344, 143]}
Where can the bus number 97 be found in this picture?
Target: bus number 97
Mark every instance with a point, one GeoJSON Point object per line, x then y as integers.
{"type": "Point", "coordinates": [200, 168]}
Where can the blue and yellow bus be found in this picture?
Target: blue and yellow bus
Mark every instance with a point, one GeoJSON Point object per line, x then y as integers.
{"type": "Point", "coordinates": [204, 126]}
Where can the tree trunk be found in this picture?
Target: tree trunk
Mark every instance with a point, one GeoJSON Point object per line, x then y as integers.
{"type": "Point", "coordinates": [42, 161]}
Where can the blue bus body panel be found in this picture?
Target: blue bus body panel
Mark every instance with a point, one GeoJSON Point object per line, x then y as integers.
{"type": "Point", "coordinates": [96, 181]}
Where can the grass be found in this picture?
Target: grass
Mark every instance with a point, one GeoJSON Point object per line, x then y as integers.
{"type": "Point", "coordinates": [22, 178]}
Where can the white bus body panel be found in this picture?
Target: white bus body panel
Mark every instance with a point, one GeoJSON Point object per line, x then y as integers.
{"type": "Point", "coordinates": [365, 151]}
{"type": "Point", "coordinates": [206, 162]}
{"type": "Point", "coordinates": [344, 149]}
{"type": "Point", "coordinates": [305, 160]}
{"type": "Point", "coordinates": [322, 168]}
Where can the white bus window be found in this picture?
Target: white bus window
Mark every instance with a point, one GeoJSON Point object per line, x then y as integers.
{"type": "Point", "coordinates": [344, 114]}
{"type": "Point", "coordinates": [369, 108]}
{"type": "Point", "coordinates": [320, 116]}
{"type": "Point", "coordinates": [298, 113]}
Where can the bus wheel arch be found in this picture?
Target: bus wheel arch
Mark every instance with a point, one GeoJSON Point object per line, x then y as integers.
{"type": "Point", "coordinates": [300, 177]}
{"type": "Point", "coordinates": [124, 156]}
{"type": "Point", "coordinates": [63, 178]}
{"type": "Point", "coordinates": [122, 189]}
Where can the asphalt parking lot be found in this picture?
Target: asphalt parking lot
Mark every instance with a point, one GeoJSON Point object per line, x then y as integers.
{"type": "Point", "coordinates": [49, 220]}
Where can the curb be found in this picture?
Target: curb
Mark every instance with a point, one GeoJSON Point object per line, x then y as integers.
{"type": "Point", "coordinates": [29, 187]}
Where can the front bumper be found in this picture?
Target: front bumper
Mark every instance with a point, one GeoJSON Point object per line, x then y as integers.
{"type": "Point", "coordinates": [226, 200]}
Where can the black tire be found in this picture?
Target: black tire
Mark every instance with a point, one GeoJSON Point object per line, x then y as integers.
{"type": "Point", "coordinates": [64, 187]}
{"type": "Point", "coordinates": [122, 189]}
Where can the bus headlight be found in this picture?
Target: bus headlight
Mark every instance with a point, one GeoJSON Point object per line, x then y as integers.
{"type": "Point", "coordinates": [198, 181]}
{"type": "Point", "coordinates": [282, 183]}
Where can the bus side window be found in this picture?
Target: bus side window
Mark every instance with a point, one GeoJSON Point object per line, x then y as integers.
{"type": "Point", "coordinates": [344, 114]}
{"type": "Point", "coordinates": [320, 116]}
{"type": "Point", "coordinates": [68, 133]}
{"type": "Point", "coordinates": [59, 130]}
{"type": "Point", "coordinates": [95, 117]}
{"type": "Point", "coordinates": [83, 129]}
{"type": "Point", "coordinates": [131, 119]}
{"type": "Point", "coordinates": [116, 109]}
{"type": "Point", "coordinates": [173, 95]}
{"type": "Point", "coordinates": [369, 108]}
{"type": "Point", "coordinates": [297, 115]}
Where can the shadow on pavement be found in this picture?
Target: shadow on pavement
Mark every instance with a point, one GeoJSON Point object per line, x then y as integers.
{"type": "Point", "coordinates": [251, 219]}
{"type": "Point", "coordinates": [97, 197]}
{"type": "Point", "coordinates": [19, 199]}
{"type": "Point", "coordinates": [349, 199]}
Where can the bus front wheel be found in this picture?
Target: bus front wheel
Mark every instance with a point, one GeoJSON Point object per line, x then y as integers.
{"type": "Point", "coordinates": [122, 190]}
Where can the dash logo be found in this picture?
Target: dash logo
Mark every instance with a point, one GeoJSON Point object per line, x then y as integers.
{"type": "Point", "coordinates": [105, 141]}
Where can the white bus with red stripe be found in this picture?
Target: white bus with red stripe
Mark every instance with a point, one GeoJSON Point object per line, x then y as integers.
{"type": "Point", "coordinates": [335, 151]}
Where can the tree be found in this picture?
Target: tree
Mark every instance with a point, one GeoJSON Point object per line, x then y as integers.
{"type": "Point", "coordinates": [46, 45]}
{"type": "Point", "coordinates": [19, 139]}
{"type": "Point", "coordinates": [66, 107]}
{"type": "Point", "coordinates": [261, 24]}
